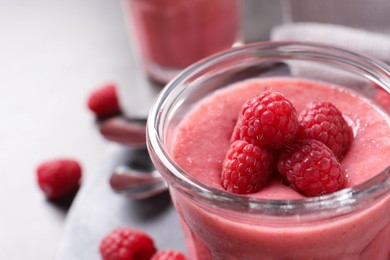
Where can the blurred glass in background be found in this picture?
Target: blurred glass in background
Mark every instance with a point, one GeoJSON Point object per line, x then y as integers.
{"type": "Point", "coordinates": [172, 34]}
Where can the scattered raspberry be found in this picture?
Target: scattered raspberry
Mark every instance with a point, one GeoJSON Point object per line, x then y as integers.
{"type": "Point", "coordinates": [324, 122]}
{"type": "Point", "coordinates": [311, 168]}
{"type": "Point", "coordinates": [246, 168]}
{"type": "Point", "coordinates": [104, 101]}
{"type": "Point", "coordinates": [59, 178]}
{"type": "Point", "coordinates": [125, 243]}
{"type": "Point", "coordinates": [168, 255]}
{"type": "Point", "coordinates": [268, 120]}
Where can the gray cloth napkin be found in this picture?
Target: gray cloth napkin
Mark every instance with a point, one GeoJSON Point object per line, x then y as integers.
{"type": "Point", "coordinates": [374, 44]}
{"type": "Point", "coordinates": [368, 15]}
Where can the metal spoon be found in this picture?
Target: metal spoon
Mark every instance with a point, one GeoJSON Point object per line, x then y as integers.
{"type": "Point", "coordinates": [120, 129]}
{"type": "Point", "coordinates": [137, 178]}
{"type": "Point", "coordinates": [137, 184]}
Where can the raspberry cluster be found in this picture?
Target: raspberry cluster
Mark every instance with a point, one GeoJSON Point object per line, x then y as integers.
{"type": "Point", "coordinates": [270, 138]}
{"type": "Point", "coordinates": [268, 120]}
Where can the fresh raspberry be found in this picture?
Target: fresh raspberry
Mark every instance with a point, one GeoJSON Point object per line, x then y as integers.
{"type": "Point", "coordinates": [324, 122]}
{"type": "Point", "coordinates": [168, 255]}
{"type": "Point", "coordinates": [104, 102]}
{"type": "Point", "coordinates": [267, 120]}
{"type": "Point", "coordinates": [125, 243]}
{"type": "Point", "coordinates": [246, 168]}
{"type": "Point", "coordinates": [59, 178]}
{"type": "Point", "coordinates": [311, 168]}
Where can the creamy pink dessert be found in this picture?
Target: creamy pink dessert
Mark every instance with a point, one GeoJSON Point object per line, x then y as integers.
{"type": "Point", "coordinates": [201, 141]}
{"type": "Point", "coordinates": [176, 33]}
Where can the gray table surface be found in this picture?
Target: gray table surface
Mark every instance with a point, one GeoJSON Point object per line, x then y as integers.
{"type": "Point", "coordinates": [52, 54]}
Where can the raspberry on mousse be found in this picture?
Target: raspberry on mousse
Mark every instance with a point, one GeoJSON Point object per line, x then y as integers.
{"type": "Point", "coordinates": [267, 120]}
{"type": "Point", "coordinates": [246, 168]}
{"type": "Point", "coordinates": [324, 122]}
{"type": "Point", "coordinates": [311, 168]}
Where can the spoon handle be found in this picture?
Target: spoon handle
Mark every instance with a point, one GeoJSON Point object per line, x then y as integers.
{"type": "Point", "coordinates": [137, 184]}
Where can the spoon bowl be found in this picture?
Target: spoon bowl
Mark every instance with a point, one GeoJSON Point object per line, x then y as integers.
{"type": "Point", "coordinates": [138, 179]}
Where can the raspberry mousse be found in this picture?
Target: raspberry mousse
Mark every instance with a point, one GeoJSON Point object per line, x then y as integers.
{"type": "Point", "coordinates": [205, 147]}
{"type": "Point", "coordinates": [173, 34]}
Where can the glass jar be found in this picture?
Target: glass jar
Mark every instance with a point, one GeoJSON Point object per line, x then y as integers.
{"type": "Point", "coordinates": [353, 223]}
{"type": "Point", "coordinates": [172, 34]}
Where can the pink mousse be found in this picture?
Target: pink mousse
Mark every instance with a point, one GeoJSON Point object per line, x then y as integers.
{"type": "Point", "coordinates": [199, 148]}
{"type": "Point", "coordinates": [176, 33]}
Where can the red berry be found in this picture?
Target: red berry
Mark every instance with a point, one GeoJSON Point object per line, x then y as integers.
{"type": "Point", "coordinates": [268, 120]}
{"type": "Point", "coordinates": [324, 122]}
{"type": "Point", "coordinates": [246, 168]}
{"type": "Point", "coordinates": [311, 168]}
{"type": "Point", "coordinates": [59, 178]}
{"type": "Point", "coordinates": [104, 101]}
{"type": "Point", "coordinates": [125, 243]}
{"type": "Point", "coordinates": [168, 255]}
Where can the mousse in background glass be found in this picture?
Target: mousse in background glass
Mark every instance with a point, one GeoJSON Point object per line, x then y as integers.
{"type": "Point", "coordinates": [173, 34]}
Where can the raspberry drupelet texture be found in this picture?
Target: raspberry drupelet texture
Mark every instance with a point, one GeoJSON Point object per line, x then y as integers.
{"type": "Point", "coordinates": [104, 102]}
{"type": "Point", "coordinates": [125, 243]}
{"type": "Point", "coordinates": [246, 168]}
{"type": "Point", "coordinates": [324, 122]}
{"type": "Point", "coordinates": [59, 177]}
{"type": "Point", "coordinates": [311, 168]}
{"type": "Point", "coordinates": [169, 255]}
{"type": "Point", "coordinates": [267, 120]}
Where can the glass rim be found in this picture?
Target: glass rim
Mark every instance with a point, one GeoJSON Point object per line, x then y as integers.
{"type": "Point", "coordinates": [342, 200]}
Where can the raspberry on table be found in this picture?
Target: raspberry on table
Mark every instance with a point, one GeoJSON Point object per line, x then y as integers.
{"type": "Point", "coordinates": [103, 101]}
{"type": "Point", "coordinates": [324, 122]}
{"type": "Point", "coordinates": [311, 168]}
{"type": "Point", "coordinates": [267, 120]}
{"type": "Point", "coordinates": [59, 178]}
{"type": "Point", "coordinates": [246, 168]}
{"type": "Point", "coordinates": [169, 255]}
{"type": "Point", "coordinates": [125, 243]}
